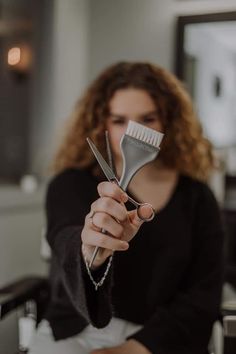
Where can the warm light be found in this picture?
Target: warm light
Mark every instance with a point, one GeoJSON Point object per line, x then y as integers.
{"type": "Point", "coordinates": [19, 59]}
{"type": "Point", "coordinates": [14, 56]}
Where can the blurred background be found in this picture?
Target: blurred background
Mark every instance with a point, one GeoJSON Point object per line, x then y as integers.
{"type": "Point", "coordinates": [49, 52]}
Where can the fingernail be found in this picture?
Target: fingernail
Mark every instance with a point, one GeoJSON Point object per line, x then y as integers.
{"type": "Point", "coordinates": [124, 197]}
{"type": "Point", "coordinates": [124, 245]}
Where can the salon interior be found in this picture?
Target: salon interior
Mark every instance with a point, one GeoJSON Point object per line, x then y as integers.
{"type": "Point", "coordinates": [49, 52]}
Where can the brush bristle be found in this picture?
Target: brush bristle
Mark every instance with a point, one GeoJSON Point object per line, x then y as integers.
{"type": "Point", "coordinates": [145, 134]}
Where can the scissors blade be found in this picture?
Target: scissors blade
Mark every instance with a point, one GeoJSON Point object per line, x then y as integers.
{"type": "Point", "coordinates": [109, 153]}
{"type": "Point", "coordinates": [103, 164]}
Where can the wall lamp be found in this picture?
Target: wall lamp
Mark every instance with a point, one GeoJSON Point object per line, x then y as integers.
{"type": "Point", "coordinates": [19, 60]}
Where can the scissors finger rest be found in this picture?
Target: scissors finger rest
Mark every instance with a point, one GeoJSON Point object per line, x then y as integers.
{"type": "Point", "coordinates": [141, 213]}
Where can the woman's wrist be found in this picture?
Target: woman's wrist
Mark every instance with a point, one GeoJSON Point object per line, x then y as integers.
{"type": "Point", "coordinates": [87, 253]}
{"type": "Point", "coordinates": [96, 278]}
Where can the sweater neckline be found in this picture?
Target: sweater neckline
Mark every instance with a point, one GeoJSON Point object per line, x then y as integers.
{"type": "Point", "coordinates": [169, 202]}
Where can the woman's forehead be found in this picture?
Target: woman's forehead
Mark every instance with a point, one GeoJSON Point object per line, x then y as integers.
{"type": "Point", "coordinates": [131, 99]}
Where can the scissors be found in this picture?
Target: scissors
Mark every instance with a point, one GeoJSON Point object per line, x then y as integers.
{"type": "Point", "coordinates": [110, 175]}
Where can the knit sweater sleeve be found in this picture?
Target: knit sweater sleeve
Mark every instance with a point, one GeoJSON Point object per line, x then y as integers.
{"type": "Point", "coordinates": [184, 325]}
{"type": "Point", "coordinates": [68, 200]}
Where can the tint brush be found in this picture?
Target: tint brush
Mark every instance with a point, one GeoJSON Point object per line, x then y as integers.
{"type": "Point", "coordinates": [139, 145]}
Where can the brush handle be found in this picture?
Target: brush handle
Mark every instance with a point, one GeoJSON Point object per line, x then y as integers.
{"type": "Point", "coordinates": [135, 154]}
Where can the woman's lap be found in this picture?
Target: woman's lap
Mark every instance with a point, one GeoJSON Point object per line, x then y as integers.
{"type": "Point", "coordinates": [43, 342]}
{"type": "Point", "coordinates": [89, 339]}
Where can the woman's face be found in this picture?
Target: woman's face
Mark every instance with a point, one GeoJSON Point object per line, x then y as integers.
{"type": "Point", "coordinates": [126, 104]}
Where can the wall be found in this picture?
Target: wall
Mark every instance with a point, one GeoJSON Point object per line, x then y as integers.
{"type": "Point", "coordinates": [140, 30]}
{"type": "Point", "coordinates": [130, 30]}
{"type": "Point", "coordinates": [61, 76]}
{"type": "Point", "coordinates": [81, 37]}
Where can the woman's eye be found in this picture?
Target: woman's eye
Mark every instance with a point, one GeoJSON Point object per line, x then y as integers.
{"type": "Point", "coordinates": [150, 119]}
{"type": "Point", "coordinates": [118, 121]}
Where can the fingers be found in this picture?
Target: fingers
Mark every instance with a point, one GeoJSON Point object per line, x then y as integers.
{"type": "Point", "coordinates": [112, 190]}
{"type": "Point", "coordinates": [109, 213]}
{"type": "Point", "coordinates": [105, 221]}
{"type": "Point", "coordinates": [102, 220]}
{"type": "Point", "coordinates": [110, 206]}
{"type": "Point", "coordinates": [109, 210]}
{"type": "Point", "coordinates": [91, 237]}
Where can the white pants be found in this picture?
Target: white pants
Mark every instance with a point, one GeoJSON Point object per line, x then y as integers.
{"type": "Point", "coordinates": [89, 339]}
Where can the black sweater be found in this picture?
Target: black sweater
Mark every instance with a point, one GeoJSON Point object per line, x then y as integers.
{"type": "Point", "coordinates": [169, 280]}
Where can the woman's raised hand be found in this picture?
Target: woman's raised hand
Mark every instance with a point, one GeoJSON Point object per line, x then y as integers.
{"type": "Point", "coordinates": [109, 213]}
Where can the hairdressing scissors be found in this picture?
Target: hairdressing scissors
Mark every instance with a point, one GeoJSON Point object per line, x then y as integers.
{"type": "Point", "coordinates": [110, 175]}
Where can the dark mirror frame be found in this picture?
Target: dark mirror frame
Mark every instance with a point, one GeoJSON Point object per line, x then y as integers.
{"type": "Point", "coordinates": [182, 21]}
{"type": "Point", "coordinates": [228, 214]}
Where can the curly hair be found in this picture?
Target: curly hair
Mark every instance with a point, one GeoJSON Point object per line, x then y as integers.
{"type": "Point", "coordinates": [184, 147]}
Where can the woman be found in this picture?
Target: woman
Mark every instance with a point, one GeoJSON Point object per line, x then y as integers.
{"type": "Point", "coordinates": [160, 291]}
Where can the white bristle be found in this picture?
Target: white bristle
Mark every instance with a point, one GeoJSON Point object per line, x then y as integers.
{"type": "Point", "coordinates": [145, 134]}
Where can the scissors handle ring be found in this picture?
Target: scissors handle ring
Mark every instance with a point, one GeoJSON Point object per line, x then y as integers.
{"type": "Point", "coordinates": [141, 217]}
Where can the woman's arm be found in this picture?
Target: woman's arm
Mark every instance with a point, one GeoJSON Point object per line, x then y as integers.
{"type": "Point", "coordinates": [69, 200]}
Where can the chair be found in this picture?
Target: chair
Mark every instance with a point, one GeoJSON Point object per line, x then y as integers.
{"type": "Point", "coordinates": [30, 293]}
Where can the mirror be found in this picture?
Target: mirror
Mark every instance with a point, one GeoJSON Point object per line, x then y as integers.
{"type": "Point", "coordinates": [206, 62]}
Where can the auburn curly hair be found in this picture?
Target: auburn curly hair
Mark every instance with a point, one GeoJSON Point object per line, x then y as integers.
{"type": "Point", "coordinates": [184, 147]}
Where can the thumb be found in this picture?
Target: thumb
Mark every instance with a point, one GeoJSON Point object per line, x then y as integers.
{"type": "Point", "coordinates": [137, 217]}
